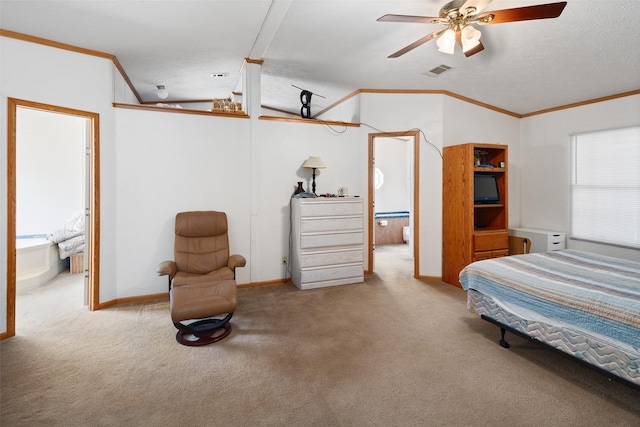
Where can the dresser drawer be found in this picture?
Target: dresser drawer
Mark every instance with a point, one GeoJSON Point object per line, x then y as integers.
{"type": "Point", "coordinates": [500, 253]}
{"type": "Point", "coordinates": [479, 256]}
{"type": "Point", "coordinates": [314, 259]}
{"type": "Point", "coordinates": [330, 208]}
{"type": "Point", "coordinates": [327, 239]}
{"type": "Point", "coordinates": [331, 224]}
{"type": "Point", "coordinates": [556, 246]}
{"type": "Point", "coordinates": [556, 241]}
{"type": "Point", "coordinates": [490, 241]}
{"type": "Point", "coordinates": [331, 273]}
{"type": "Point", "coordinates": [324, 240]}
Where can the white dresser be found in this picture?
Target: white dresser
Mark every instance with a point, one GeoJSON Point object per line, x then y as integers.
{"type": "Point", "coordinates": [327, 241]}
{"type": "Point", "coordinates": [541, 240]}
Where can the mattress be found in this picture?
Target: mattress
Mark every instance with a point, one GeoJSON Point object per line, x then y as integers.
{"type": "Point", "coordinates": [584, 304]}
{"type": "Point", "coordinates": [605, 353]}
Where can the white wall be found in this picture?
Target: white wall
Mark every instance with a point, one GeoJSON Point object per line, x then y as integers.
{"type": "Point", "coordinates": [402, 112]}
{"type": "Point", "coordinates": [465, 122]}
{"type": "Point", "coordinates": [50, 170]}
{"type": "Point", "coordinates": [281, 149]}
{"type": "Point", "coordinates": [444, 121]}
{"type": "Point", "coordinates": [121, 90]}
{"type": "Point", "coordinates": [393, 157]}
{"type": "Point", "coordinates": [168, 163]}
{"type": "Point", "coordinates": [546, 165]}
{"type": "Point", "coordinates": [347, 111]}
{"type": "Point", "coordinates": [58, 77]}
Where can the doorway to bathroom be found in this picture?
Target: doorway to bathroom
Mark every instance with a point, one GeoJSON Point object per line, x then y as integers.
{"type": "Point", "coordinates": [393, 196]}
{"type": "Point", "coordinates": [19, 113]}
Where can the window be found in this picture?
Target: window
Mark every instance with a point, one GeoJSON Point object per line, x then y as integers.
{"type": "Point", "coordinates": [378, 179]}
{"type": "Point", "coordinates": [605, 187]}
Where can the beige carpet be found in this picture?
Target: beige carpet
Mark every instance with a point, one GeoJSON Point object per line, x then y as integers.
{"type": "Point", "coordinates": [392, 351]}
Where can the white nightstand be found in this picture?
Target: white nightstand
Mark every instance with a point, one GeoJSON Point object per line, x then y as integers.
{"type": "Point", "coordinates": [541, 240]}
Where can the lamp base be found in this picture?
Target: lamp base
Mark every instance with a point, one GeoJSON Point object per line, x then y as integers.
{"type": "Point", "coordinates": [313, 184]}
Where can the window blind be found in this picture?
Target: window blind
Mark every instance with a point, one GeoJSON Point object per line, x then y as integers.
{"type": "Point", "coordinates": [605, 187]}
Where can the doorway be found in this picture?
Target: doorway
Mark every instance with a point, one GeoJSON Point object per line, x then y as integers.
{"type": "Point", "coordinates": [92, 214]}
{"type": "Point", "coordinates": [412, 139]}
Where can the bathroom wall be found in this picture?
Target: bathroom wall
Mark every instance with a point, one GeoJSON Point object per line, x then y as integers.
{"type": "Point", "coordinates": [393, 158]}
{"type": "Point", "coordinates": [50, 170]}
{"type": "Point", "coordinates": [393, 162]}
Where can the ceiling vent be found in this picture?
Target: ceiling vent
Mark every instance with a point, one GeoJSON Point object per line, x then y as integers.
{"type": "Point", "coordinates": [435, 72]}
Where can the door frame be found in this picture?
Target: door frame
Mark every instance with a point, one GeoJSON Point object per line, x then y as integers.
{"type": "Point", "coordinates": [93, 261]}
{"type": "Point", "coordinates": [415, 234]}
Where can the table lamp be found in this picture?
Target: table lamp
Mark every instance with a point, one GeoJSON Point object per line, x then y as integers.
{"type": "Point", "coordinates": [314, 163]}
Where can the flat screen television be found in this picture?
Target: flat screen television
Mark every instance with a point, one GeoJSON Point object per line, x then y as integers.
{"type": "Point", "coordinates": [485, 190]}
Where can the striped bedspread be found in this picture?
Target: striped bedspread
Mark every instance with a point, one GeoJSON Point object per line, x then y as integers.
{"type": "Point", "coordinates": [594, 292]}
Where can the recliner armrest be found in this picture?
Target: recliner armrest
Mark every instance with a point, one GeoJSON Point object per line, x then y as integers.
{"type": "Point", "coordinates": [236, 261]}
{"type": "Point", "coordinates": [167, 267]}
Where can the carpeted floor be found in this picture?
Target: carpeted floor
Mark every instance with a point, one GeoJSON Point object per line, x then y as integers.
{"type": "Point", "coordinates": [392, 351]}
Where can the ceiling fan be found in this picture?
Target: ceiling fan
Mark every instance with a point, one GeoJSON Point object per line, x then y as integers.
{"type": "Point", "coordinates": [458, 17]}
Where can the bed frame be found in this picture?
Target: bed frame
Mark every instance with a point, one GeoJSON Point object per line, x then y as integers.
{"type": "Point", "coordinates": [492, 284]}
{"type": "Point", "coordinates": [505, 344]}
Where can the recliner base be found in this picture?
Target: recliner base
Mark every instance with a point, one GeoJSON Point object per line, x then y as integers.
{"type": "Point", "coordinates": [203, 332]}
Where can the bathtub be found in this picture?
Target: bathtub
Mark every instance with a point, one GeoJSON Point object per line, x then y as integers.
{"type": "Point", "coordinates": [37, 262]}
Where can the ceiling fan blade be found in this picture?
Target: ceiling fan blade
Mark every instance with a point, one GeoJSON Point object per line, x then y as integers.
{"type": "Point", "coordinates": [543, 11]}
{"type": "Point", "coordinates": [416, 43]}
{"type": "Point", "coordinates": [410, 18]}
{"type": "Point", "coordinates": [478, 48]}
{"type": "Point", "coordinates": [479, 5]}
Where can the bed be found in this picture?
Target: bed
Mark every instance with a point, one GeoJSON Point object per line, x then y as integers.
{"type": "Point", "coordinates": [70, 238]}
{"type": "Point", "coordinates": [582, 304]}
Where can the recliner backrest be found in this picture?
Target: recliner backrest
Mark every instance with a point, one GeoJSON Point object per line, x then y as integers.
{"type": "Point", "coordinates": [201, 241]}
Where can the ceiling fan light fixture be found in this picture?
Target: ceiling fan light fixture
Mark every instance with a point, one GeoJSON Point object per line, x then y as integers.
{"type": "Point", "coordinates": [470, 37]}
{"type": "Point", "coordinates": [457, 15]}
{"type": "Point", "coordinates": [162, 92]}
{"type": "Point", "coordinates": [447, 41]}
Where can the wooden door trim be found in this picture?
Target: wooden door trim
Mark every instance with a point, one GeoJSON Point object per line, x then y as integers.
{"type": "Point", "coordinates": [415, 234]}
{"type": "Point", "coordinates": [94, 204]}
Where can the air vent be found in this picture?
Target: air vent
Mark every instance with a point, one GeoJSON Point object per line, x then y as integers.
{"type": "Point", "coordinates": [434, 72]}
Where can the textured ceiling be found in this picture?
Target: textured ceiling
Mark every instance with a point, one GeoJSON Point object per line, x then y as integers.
{"type": "Point", "coordinates": [335, 47]}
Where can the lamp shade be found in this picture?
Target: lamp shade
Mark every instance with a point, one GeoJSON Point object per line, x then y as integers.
{"type": "Point", "coordinates": [470, 38]}
{"type": "Point", "coordinates": [314, 162]}
{"type": "Point", "coordinates": [447, 41]}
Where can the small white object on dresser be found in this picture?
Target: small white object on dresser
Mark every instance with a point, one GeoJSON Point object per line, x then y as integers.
{"type": "Point", "coordinates": [327, 241]}
{"type": "Point", "coordinates": [541, 240]}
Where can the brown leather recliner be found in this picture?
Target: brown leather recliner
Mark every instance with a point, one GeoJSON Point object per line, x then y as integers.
{"type": "Point", "coordinates": [202, 281]}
